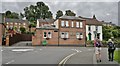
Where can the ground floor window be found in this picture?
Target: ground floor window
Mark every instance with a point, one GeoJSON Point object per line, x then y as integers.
{"type": "Point", "coordinates": [79, 35]}
{"type": "Point", "coordinates": [49, 35]}
{"type": "Point", "coordinates": [45, 35]}
{"type": "Point", "coordinates": [64, 35]}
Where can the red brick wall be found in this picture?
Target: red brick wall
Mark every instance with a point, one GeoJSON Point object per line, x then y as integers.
{"type": "Point", "coordinates": [72, 38]}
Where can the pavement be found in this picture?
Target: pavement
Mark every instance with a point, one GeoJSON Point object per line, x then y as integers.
{"type": "Point", "coordinates": [52, 55]}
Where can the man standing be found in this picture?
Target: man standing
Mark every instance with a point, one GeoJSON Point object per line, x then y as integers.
{"type": "Point", "coordinates": [111, 49]}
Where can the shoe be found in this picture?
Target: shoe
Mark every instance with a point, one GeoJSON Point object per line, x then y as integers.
{"type": "Point", "coordinates": [100, 60]}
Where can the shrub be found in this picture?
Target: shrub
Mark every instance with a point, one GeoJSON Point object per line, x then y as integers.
{"type": "Point", "coordinates": [89, 42]}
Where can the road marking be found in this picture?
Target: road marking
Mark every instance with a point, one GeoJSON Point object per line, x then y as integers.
{"type": "Point", "coordinates": [68, 57]}
{"type": "Point", "coordinates": [9, 62]}
{"type": "Point", "coordinates": [40, 49]}
{"type": "Point", "coordinates": [1, 50]}
{"type": "Point", "coordinates": [76, 50]}
{"type": "Point", "coordinates": [19, 50]}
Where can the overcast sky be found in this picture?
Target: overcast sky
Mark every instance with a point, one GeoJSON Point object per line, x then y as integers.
{"type": "Point", "coordinates": [106, 10]}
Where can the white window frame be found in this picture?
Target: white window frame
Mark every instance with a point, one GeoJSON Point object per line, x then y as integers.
{"type": "Point", "coordinates": [44, 34]}
{"type": "Point", "coordinates": [62, 23]}
{"type": "Point", "coordinates": [50, 35]}
{"type": "Point", "coordinates": [24, 23]}
{"type": "Point", "coordinates": [77, 35]}
{"type": "Point", "coordinates": [62, 35]}
{"type": "Point", "coordinates": [81, 35]}
{"type": "Point", "coordinates": [67, 24]}
{"type": "Point", "coordinates": [77, 24]}
{"type": "Point", "coordinates": [81, 24]}
{"type": "Point", "coordinates": [72, 24]}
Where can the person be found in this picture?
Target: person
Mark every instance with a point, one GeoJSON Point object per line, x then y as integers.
{"type": "Point", "coordinates": [111, 49]}
{"type": "Point", "coordinates": [98, 50]}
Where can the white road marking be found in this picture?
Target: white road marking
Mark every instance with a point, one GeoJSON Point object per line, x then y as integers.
{"type": "Point", "coordinates": [67, 58]}
{"type": "Point", "coordinates": [19, 50]}
{"type": "Point", "coordinates": [9, 62]}
{"type": "Point", "coordinates": [40, 49]}
{"type": "Point", "coordinates": [1, 50]}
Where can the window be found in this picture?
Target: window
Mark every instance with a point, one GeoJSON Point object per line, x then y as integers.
{"type": "Point", "coordinates": [19, 24]}
{"type": "Point", "coordinates": [15, 23]}
{"type": "Point", "coordinates": [67, 24]}
{"type": "Point", "coordinates": [62, 23]}
{"type": "Point", "coordinates": [81, 25]}
{"type": "Point", "coordinates": [96, 28]}
{"type": "Point", "coordinates": [45, 35]}
{"type": "Point", "coordinates": [49, 35]}
{"type": "Point", "coordinates": [64, 35]}
{"type": "Point", "coordinates": [23, 23]}
{"type": "Point", "coordinates": [77, 24]}
{"type": "Point", "coordinates": [81, 35]}
{"type": "Point", "coordinates": [72, 24]}
{"type": "Point", "coordinates": [89, 28]}
{"type": "Point", "coordinates": [77, 35]}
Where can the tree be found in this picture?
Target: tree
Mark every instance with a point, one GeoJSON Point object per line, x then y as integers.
{"type": "Point", "coordinates": [9, 14]}
{"type": "Point", "coordinates": [69, 13]}
{"type": "Point", "coordinates": [34, 12]}
{"type": "Point", "coordinates": [59, 14]}
{"type": "Point", "coordinates": [22, 29]}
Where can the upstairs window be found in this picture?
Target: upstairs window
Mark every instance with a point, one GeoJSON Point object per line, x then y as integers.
{"type": "Point", "coordinates": [72, 24]}
{"type": "Point", "coordinates": [81, 24]}
{"type": "Point", "coordinates": [89, 28]}
{"type": "Point", "coordinates": [77, 24]}
{"type": "Point", "coordinates": [62, 23]}
{"type": "Point", "coordinates": [67, 24]}
{"type": "Point", "coordinates": [96, 28]}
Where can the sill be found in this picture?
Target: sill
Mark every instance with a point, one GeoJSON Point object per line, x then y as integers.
{"type": "Point", "coordinates": [79, 38]}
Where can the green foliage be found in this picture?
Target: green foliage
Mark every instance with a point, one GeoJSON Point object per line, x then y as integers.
{"type": "Point", "coordinates": [9, 14]}
{"type": "Point", "coordinates": [44, 42]}
{"type": "Point", "coordinates": [111, 31]}
{"type": "Point", "coordinates": [59, 14]}
{"type": "Point", "coordinates": [116, 56]}
{"type": "Point", "coordinates": [40, 10]}
{"type": "Point", "coordinates": [70, 13]}
{"type": "Point", "coordinates": [22, 29]}
{"type": "Point", "coordinates": [89, 42]}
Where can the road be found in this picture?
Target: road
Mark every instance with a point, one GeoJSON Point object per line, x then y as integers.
{"type": "Point", "coordinates": [51, 55]}
{"type": "Point", "coordinates": [46, 55]}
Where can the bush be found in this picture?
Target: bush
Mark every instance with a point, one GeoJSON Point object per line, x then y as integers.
{"type": "Point", "coordinates": [22, 29]}
{"type": "Point", "coordinates": [89, 42]}
{"type": "Point", "coordinates": [104, 43]}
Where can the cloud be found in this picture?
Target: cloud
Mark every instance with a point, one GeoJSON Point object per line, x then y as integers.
{"type": "Point", "coordinates": [106, 11]}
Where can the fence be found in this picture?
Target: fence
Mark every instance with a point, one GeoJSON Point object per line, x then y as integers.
{"type": "Point", "coordinates": [19, 37]}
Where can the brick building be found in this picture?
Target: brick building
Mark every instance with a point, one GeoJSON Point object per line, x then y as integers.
{"type": "Point", "coordinates": [67, 30]}
{"type": "Point", "coordinates": [2, 27]}
{"type": "Point", "coordinates": [16, 24]}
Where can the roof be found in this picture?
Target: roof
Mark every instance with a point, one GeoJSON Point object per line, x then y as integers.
{"type": "Point", "coordinates": [15, 20]}
{"type": "Point", "coordinates": [46, 20]}
{"type": "Point", "coordinates": [108, 23]}
{"type": "Point", "coordinates": [91, 21]}
{"type": "Point", "coordinates": [70, 17]}
{"type": "Point", "coordinates": [1, 17]}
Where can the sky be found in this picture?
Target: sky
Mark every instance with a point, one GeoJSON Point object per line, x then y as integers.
{"type": "Point", "coordinates": [105, 10]}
